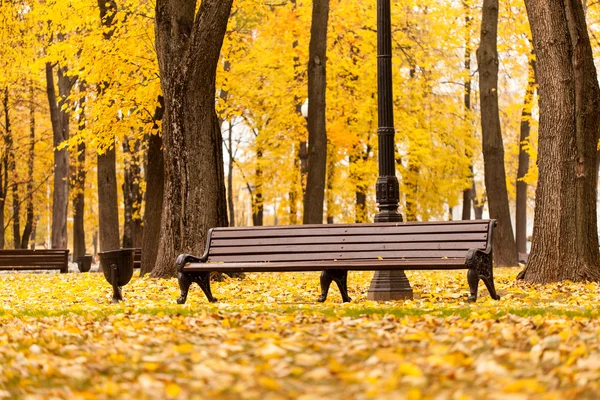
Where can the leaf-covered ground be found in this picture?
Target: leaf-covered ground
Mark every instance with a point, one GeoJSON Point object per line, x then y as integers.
{"type": "Point", "coordinates": [267, 338]}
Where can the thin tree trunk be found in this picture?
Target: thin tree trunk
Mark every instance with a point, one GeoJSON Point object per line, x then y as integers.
{"type": "Point", "coordinates": [79, 201]}
{"type": "Point", "coordinates": [565, 237]}
{"type": "Point", "coordinates": [230, 202]}
{"type": "Point", "coordinates": [300, 164]}
{"type": "Point", "coordinates": [521, 201]}
{"type": "Point", "coordinates": [468, 194]}
{"type": "Point", "coordinates": [29, 219]}
{"type": "Point", "coordinates": [155, 188]}
{"type": "Point", "coordinates": [131, 194]}
{"type": "Point", "coordinates": [4, 166]}
{"type": "Point", "coordinates": [505, 251]}
{"type": "Point", "coordinates": [108, 209]}
{"type": "Point", "coordinates": [11, 168]}
{"type": "Point", "coordinates": [60, 129]}
{"type": "Point", "coordinates": [410, 184]}
{"type": "Point", "coordinates": [330, 180]}
{"type": "Point", "coordinates": [32, 240]}
{"type": "Point", "coordinates": [257, 195]}
{"type": "Point", "coordinates": [224, 94]}
{"type": "Point", "coordinates": [188, 48]}
{"type": "Point", "coordinates": [317, 132]}
{"type": "Point", "coordinates": [78, 178]}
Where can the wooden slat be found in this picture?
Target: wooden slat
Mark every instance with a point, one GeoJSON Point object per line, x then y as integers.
{"type": "Point", "coordinates": [32, 262]}
{"type": "Point", "coordinates": [32, 252]}
{"type": "Point", "coordinates": [358, 229]}
{"type": "Point", "coordinates": [379, 224]}
{"type": "Point", "coordinates": [447, 237]}
{"type": "Point", "coordinates": [345, 247]}
{"type": "Point", "coordinates": [339, 256]}
{"type": "Point", "coordinates": [31, 267]}
{"type": "Point", "coordinates": [450, 263]}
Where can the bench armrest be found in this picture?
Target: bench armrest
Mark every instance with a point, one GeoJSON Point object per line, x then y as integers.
{"type": "Point", "coordinates": [183, 259]}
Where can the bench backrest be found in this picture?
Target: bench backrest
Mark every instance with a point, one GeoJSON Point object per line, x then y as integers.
{"type": "Point", "coordinates": [446, 239]}
{"type": "Point", "coordinates": [33, 258]}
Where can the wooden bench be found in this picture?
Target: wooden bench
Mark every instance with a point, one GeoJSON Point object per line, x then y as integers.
{"type": "Point", "coordinates": [24, 259]}
{"type": "Point", "coordinates": [337, 249]}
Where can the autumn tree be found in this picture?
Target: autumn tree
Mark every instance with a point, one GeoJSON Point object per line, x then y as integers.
{"type": "Point", "coordinates": [188, 44]}
{"type": "Point", "coordinates": [505, 253]}
{"type": "Point", "coordinates": [317, 133]}
{"type": "Point", "coordinates": [565, 237]}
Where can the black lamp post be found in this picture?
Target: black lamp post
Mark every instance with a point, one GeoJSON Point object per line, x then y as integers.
{"type": "Point", "coordinates": [393, 284]}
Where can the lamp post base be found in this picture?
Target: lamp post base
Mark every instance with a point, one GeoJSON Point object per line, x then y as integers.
{"type": "Point", "coordinates": [390, 285]}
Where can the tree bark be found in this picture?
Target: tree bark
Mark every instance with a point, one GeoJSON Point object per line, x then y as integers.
{"type": "Point", "coordinates": [565, 237]}
{"type": "Point", "coordinates": [317, 132]}
{"type": "Point", "coordinates": [4, 166]}
{"type": "Point", "coordinates": [11, 168]}
{"type": "Point", "coordinates": [505, 251]}
{"type": "Point", "coordinates": [468, 194]}
{"type": "Point", "coordinates": [410, 184]}
{"type": "Point", "coordinates": [28, 229]}
{"type": "Point", "coordinates": [132, 196]}
{"type": "Point", "coordinates": [330, 179]}
{"type": "Point", "coordinates": [78, 178]}
{"type": "Point", "coordinates": [521, 201]}
{"type": "Point", "coordinates": [108, 209]}
{"type": "Point", "coordinates": [230, 203]}
{"type": "Point", "coordinates": [188, 48]}
{"type": "Point", "coordinates": [257, 193]}
{"type": "Point", "coordinates": [60, 129]}
{"type": "Point", "coordinates": [155, 188]}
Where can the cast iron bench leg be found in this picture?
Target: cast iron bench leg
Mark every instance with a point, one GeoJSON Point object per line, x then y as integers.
{"type": "Point", "coordinates": [340, 277]}
{"type": "Point", "coordinates": [201, 278]}
{"type": "Point", "coordinates": [480, 267]}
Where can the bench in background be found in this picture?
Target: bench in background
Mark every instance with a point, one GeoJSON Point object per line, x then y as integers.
{"type": "Point", "coordinates": [24, 259]}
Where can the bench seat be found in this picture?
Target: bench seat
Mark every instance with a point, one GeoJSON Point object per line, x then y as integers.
{"type": "Point", "coordinates": [337, 249]}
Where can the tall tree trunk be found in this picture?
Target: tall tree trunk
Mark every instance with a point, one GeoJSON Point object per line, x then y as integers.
{"type": "Point", "coordinates": [468, 194]}
{"type": "Point", "coordinates": [257, 194]}
{"type": "Point", "coordinates": [317, 132]}
{"type": "Point", "coordinates": [78, 178]}
{"type": "Point", "coordinates": [521, 201]}
{"type": "Point", "coordinates": [128, 201]}
{"type": "Point", "coordinates": [565, 237]}
{"type": "Point", "coordinates": [505, 251]}
{"type": "Point", "coordinates": [60, 129]}
{"type": "Point", "coordinates": [29, 219]}
{"type": "Point", "coordinates": [298, 182]}
{"type": "Point", "coordinates": [4, 165]}
{"type": "Point", "coordinates": [108, 208]}
{"type": "Point", "coordinates": [188, 48]}
{"type": "Point", "coordinates": [230, 203]}
{"type": "Point", "coordinates": [131, 194]}
{"type": "Point", "coordinates": [155, 188]}
{"type": "Point", "coordinates": [330, 179]}
{"type": "Point", "coordinates": [229, 146]}
{"type": "Point", "coordinates": [11, 168]}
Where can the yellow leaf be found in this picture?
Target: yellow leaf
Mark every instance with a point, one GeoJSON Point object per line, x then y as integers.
{"type": "Point", "coordinates": [173, 390]}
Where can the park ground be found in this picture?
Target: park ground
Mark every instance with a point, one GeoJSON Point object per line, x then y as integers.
{"type": "Point", "coordinates": [267, 338]}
